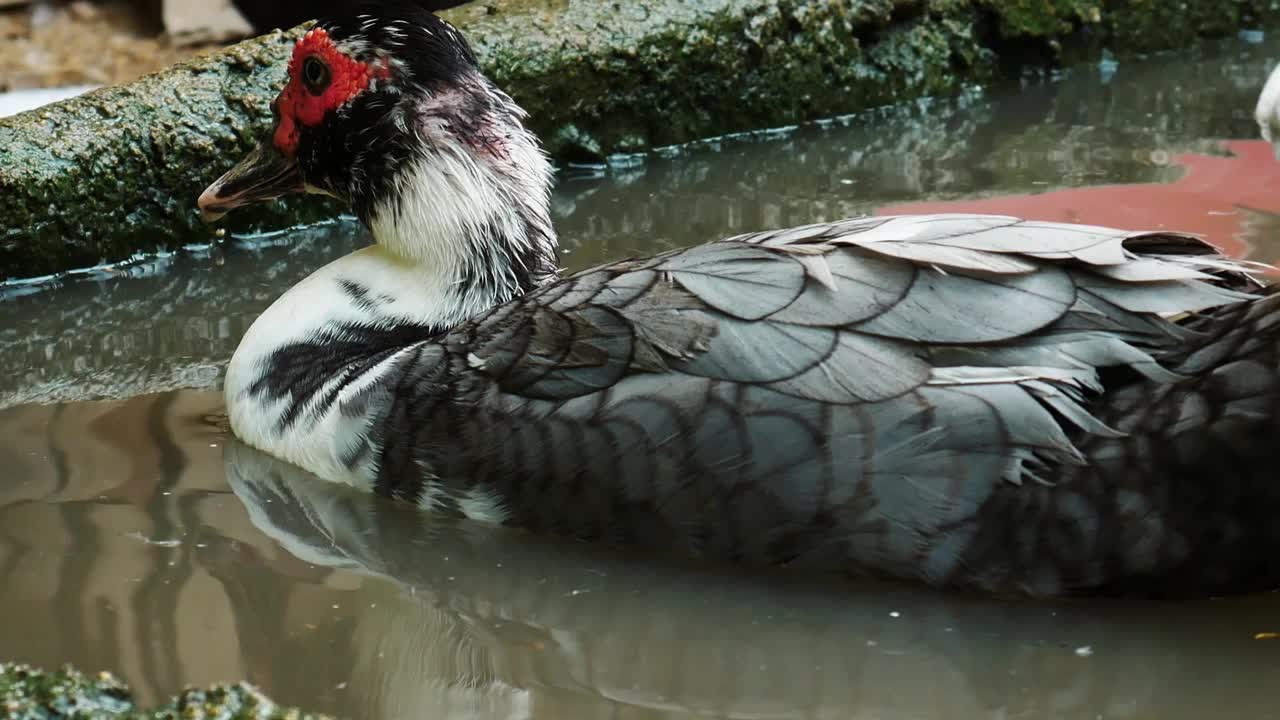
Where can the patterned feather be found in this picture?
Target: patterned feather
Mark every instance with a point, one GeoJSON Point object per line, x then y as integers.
{"type": "Point", "coordinates": [969, 401]}
{"type": "Point", "coordinates": [965, 400]}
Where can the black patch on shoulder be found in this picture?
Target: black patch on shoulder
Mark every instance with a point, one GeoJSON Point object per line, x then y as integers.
{"type": "Point", "coordinates": [359, 295]}
{"type": "Point", "coordinates": [298, 371]}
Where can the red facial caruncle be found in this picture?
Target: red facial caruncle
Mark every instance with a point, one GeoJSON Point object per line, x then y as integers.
{"type": "Point", "coordinates": [321, 78]}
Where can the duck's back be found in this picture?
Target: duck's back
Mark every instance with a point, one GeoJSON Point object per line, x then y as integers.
{"type": "Point", "coordinates": [967, 400]}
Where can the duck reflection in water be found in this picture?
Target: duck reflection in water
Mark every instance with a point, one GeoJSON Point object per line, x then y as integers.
{"type": "Point", "coordinates": [463, 619]}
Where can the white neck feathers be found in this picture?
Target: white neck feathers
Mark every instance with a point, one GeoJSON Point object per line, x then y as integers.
{"type": "Point", "coordinates": [449, 219]}
{"type": "Point", "coordinates": [472, 206]}
{"type": "Point", "coordinates": [463, 225]}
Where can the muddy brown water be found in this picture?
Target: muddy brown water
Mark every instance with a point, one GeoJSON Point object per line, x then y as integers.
{"type": "Point", "coordinates": [135, 536]}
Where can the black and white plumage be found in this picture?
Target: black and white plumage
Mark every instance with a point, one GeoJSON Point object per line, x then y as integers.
{"type": "Point", "coordinates": [968, 401]}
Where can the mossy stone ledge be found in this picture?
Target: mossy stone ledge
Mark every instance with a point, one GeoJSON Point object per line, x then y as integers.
{"type": "Point", "coordinates": [116, 172]}
{"type": "Point", "coordinates": [68, 694]}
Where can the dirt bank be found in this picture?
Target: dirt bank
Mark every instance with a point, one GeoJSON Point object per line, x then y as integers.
{"type": "Point", "coordinates": [83, 43]}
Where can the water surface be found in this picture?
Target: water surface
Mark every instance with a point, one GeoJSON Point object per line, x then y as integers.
{"type": "Point", "coordinates": [136, 536]}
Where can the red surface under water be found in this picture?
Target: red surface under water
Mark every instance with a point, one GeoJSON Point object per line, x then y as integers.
{"type": "Point", "coordinates": [1232, 201]}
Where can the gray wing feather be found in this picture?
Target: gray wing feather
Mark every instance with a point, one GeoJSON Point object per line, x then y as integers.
{"type": "Point", "coordinates": [942, 308]}
{"type": "Point", "coordinates": [850, 390]}
{"type": "Point", "coordinates": [570, 354]}
{"type": "Point", "coordinates": [862, 286]}
{"type": "Point", "coordinates": [1143, 270]}
{"type": "Point", "coordinates": [859, 369]}
{"type": "Point", "coordinates": [1084, 351]}
{"type": "Point", "coordinates": [776, 350]}
{"type": "Point", "coordinates": [740, 281]}
{"type": "Point", "coordinates": [874, 326]}
{"type": "Point", "coordinates": [1170, 297]}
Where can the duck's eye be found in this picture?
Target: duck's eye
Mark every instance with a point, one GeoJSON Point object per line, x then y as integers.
{"type": "Point", "coordinates": [315, 75]}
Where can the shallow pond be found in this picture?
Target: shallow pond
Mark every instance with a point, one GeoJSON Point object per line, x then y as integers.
{"type": "Point", "coordinates": [136, 536]}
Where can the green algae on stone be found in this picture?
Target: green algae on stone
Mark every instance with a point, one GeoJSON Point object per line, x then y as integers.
{"type": "Point", "coordinates": [1142, 25]}
{"type": "Point", "coordinates": [600, 78]}
{"type": "Point", "coordinates": [30, 694]}
{"type": "Point", "coordinates": [1043, 18]}
{"type": "Point", "coordinates": [117, 172]}
{"type": "Point", "coordinates": [1127, 26]}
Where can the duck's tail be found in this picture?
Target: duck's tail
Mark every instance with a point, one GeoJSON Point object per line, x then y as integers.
{"type": "Point", "coordinates": [1193, 486]}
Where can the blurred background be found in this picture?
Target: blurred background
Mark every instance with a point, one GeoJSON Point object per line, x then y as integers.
{"type": "Point", "coordinates": [69, 43]}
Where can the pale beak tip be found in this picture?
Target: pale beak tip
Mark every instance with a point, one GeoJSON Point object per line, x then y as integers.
{"type": "Point", "coordinates": [210, 208]}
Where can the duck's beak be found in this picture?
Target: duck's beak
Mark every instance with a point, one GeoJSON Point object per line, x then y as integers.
{"type": "Point", "coordinates": [262, 175]}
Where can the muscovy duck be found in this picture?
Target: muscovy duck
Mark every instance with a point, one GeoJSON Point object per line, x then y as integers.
{"type": "Point", "coordinates": [967, 401]}
{"type": "Point", "coordinates": [1267, 111]}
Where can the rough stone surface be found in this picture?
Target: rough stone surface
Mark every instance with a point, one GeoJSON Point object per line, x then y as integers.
{"type": "Point", "coordinates": [117, 171]}
{"type": "Point", "coordinates": [30, 694]}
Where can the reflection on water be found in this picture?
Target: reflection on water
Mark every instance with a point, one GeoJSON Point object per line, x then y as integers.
{"type": "Point", "coordinates": [1232, 199]}
{"type": "Point", "coordinates": [522, 622]}
{"type": "Point", "coordinates": [136, 537]}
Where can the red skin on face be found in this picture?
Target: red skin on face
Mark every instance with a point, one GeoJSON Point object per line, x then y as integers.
{"type": "Point", "coordinates": [299, 107]}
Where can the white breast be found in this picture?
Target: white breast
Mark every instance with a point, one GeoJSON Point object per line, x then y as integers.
{"type": "Point", "coordinates": [398, 292]}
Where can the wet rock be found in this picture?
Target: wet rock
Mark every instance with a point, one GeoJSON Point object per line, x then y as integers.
{"type": "Point", "coordinates": [116, 171]}
{"type": "Point", "coordinates": [572, 144]}
{"type": "Point", "coordinates": [30, 694]}
{"type": "Point", "coordinates": [264, 16]}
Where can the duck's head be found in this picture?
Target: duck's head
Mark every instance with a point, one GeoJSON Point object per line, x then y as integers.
{"type": "Point", "coordinates": [385, 107]}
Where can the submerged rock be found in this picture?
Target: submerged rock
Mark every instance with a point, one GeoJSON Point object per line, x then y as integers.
{"type": "Point", "coordinates": [116, 172]}
{"type": "Point", "coordinates": [68, 694]}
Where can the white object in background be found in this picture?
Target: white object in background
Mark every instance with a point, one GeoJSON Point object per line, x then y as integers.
{"type": "Point", "coordinates": [16, 101]}
{"type": "Point", "coordinates": [199, 21]}
{"type": "Point", "coordinates": [1268, 111]}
